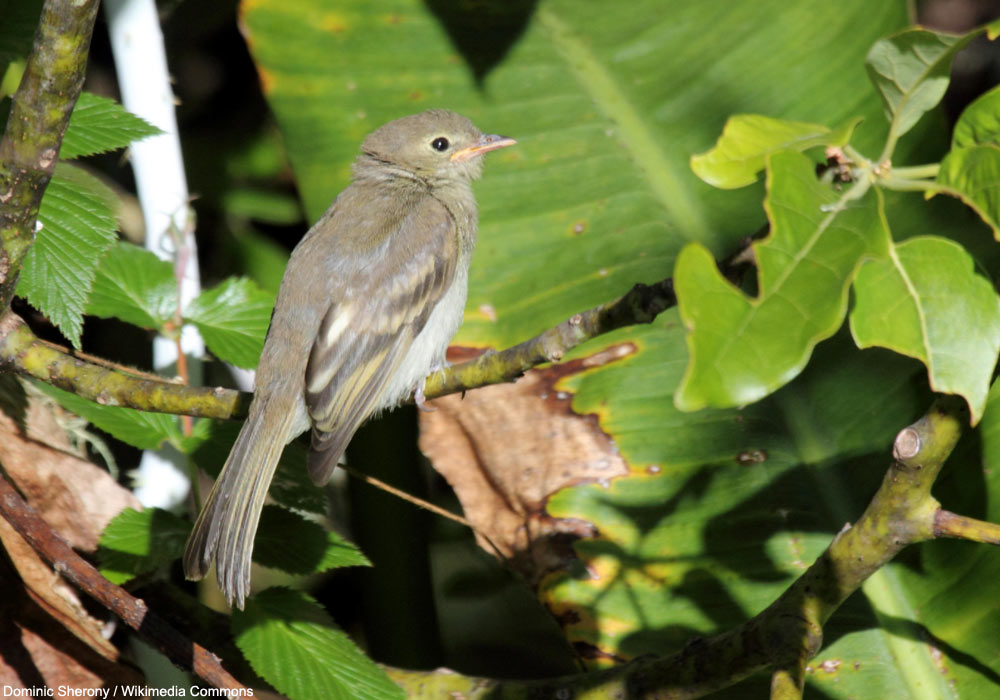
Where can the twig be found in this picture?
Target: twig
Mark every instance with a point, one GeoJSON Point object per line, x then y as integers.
{"type": "Point", "coordinates": [419, 503]}
{"type": "Point", "coordinates": [39, 114]}
{"type": "Point", "coordinates": [787, 682]}
{"type": "Point", "coordinates": [947, 524]}
{"type": "Point", "coordinates": [641, 305]}
{"type": "Point", "coordinates": [399, 493]}
{"type": "Point", "coordinates": [132, 611]}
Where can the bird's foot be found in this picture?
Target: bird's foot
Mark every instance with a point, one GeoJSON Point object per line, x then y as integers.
{"type": "Point", "coordinates": [421, 400]}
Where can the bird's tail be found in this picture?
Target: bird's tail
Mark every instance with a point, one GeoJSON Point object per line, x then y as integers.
{"type": "Point", "coordinates": [226, 527]}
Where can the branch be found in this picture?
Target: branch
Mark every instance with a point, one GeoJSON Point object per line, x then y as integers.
{"type": "Point", "coordinates": [790, 631]}
{"type": "Point", "coordinates": [641, 305]}
{"type": "Point", "coordinates": [22, 352]}
{"type": "Point", "coordinates": [39, 114]}
{"type": "Point", "coordinates": [132, 611]}
{"type": "Point", "coordinates": [948, 524]}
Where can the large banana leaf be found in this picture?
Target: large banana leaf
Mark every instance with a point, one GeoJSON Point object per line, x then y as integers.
{"type": "Point", "coordinates": [717, 511]}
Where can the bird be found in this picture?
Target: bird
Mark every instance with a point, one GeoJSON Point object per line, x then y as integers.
{"type": "Point", "coordinates": [368, 303]}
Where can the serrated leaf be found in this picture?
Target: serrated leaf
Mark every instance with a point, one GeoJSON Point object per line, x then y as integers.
{"type": "Point", "coordinates": [77, 227]}
{"type": "Point", "coordinates": [99, 124]}
{"type": "Point", "coordinates": [911, 70]}
{"type": "Point", "coordinates": [138, 542]}
{"type": "Point", "coordinates": [141, 429]}
{"type": "Point", "coordinates": [979, 123]}
{"type": "Point", "coordinates": [233, 319]}
{"type": "Point", "coordinates": [292, 643]}
{"type": "Point", "coordinates": [291, 486]}
{"type": "Point", "coordinates": [747, 139]}
{"type": "Point", "coordinates": [315, 550]}
{"type": "Point", "coordinates": [972, 174]}
{"type": "Point", "coordinates": [743, 348]}
{"type": "Point", "coordinates": [134, 285]}
{"type": "Point", "coordinates": [926, 301]}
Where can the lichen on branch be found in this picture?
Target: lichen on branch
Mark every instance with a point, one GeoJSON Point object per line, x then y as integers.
{"type": "Point", "coordinates": [39, 115]}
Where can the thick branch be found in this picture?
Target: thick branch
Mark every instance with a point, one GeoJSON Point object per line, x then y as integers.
{"type": "Point", "coordinates": [39, 114]}
{"type": "Point", "coordinates": [25, 354]}
{"type": "Point", "coordinates": [132, 611]}
{"type": "Point", "coordinates": [790, 631]}
{"type": "Point", "coordinates": [641, 305]}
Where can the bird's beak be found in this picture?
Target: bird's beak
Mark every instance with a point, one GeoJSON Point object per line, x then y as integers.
{"type": "Point", "coordinates": [487, 143]}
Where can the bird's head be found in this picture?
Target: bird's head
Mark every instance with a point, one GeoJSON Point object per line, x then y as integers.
{"type": "Point", "coordinates": [436, 145]}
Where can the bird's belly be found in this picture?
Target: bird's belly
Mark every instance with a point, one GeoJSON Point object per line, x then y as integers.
{"type": "Point", "coordinates": [428, 349]}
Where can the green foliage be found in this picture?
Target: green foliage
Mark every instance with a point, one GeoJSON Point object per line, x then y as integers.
{"type": "Point", "coordinates": [925, 300]}
{"type": "Point", "coordinates": [748, 139]}
{"type": "Point", "coordinates": [134, 285]}
{"type": "Point", "coordinates": [315, 549]}
{"type": "Point", "coordinates": [979, 123]}
{"type": "Point", "coordinates": [283, 634]}
{"type": "Point", "coordinates": [140, 542]}
{"type": "Point", "coordinates": [744, 348]}
{"type": "Point", "coordinates": [98, 125]}
{"type": "Point", "coordinates": [141, 429]}
{"type": "Point", "coordinates": [233, 320]}
{"type": "Point", "coordinates": [910, 70]}
{"type": "Point", "coordinates": [76, 227]}
{"type": "Point", "coordinates": [77, 216]}
{"type": "Point", "coordinates": [971, 173]}
{"type": "Point", "coordinates": [723, 507]}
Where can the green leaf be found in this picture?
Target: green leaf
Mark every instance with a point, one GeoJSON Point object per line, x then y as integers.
{"type": "Point", "coordinates": [743, 348]}
{"type": "Point", "coordinates": [134, 285]}
{"type": "Point", "coordinates": [911, 71]}
{"type": "Point", "coordinates": [77, 227]}
{"type": "Point", "coordinates": [139, 542]}
{"type": "Point", "coordinates": [99, 124]}
{"type": "Point", "coordinates": [233, 319]}
{"type": "Point", "coordinates": [293, 644]}
{"type": "Point", "coordinates": [141, 429]}
{"type": "Point", "coordinates": [279, 208]}
{"type": "Point", "coordinates": [972, 174]}
{"type": "Point", "coordinates": [979, 123]}
{"type": "Point", "coordinates": [291, 486]}
{"type": "Point", "coordinates": [315, 550]}
{"type": "Point", "coordinates": [926, 301]}
{"type": "Point", "coordinates": [747, 139]}
{"type": "Point", "coordinates": [721, 509]}
{"type": "Point", "coordinates": [598, 194]}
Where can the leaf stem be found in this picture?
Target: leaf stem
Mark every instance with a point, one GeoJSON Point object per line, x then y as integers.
{"type": "Point", "coordinates": [905, 184]}
{"type": "Point", "coordinates": [917, 172]}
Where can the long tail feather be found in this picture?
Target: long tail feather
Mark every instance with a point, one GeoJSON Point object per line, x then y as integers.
{"type": "Point", "coordinates": [226, 527]}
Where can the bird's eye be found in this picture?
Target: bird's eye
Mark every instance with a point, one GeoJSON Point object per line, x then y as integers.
{"type": "Point", "coordinates": [440, 144]}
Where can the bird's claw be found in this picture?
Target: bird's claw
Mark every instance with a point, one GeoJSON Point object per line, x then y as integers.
{"type": "Point", "coordinates": [421, 400]}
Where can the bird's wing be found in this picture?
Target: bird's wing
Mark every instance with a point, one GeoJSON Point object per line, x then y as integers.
{"type": "Point", "coordinates": [363, 340]}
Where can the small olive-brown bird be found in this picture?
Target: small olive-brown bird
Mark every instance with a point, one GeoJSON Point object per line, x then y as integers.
{"type": "Point", "coordinates": [370, 299]}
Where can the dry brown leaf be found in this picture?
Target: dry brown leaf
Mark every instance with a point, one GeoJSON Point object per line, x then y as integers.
{"type": "Point", "coordinates": [506, 448]}
{"type": "Point", "coordinates": [77, 499]}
